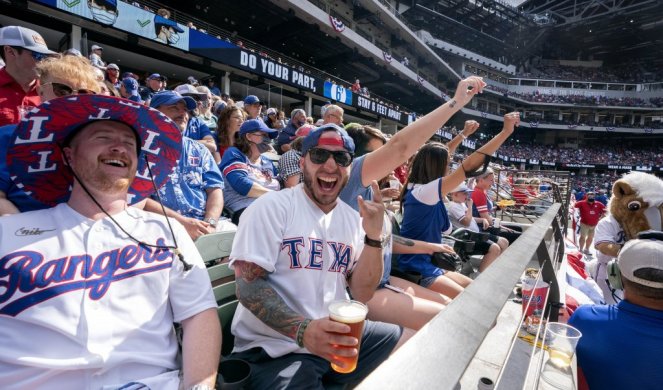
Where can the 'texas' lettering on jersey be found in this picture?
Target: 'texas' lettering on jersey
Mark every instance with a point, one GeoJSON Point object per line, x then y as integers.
{"type": "Point", "coordinates": [41, 279]}
{"type": "Point", "coordinates": [342, 254]}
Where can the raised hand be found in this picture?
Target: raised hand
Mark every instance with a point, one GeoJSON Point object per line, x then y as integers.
{"type": "Point", "coordinates": [470, 127]}
{"type": "Point", "coordinates": [372, 213]}
{"type": "Point", "coordinates": [467, 88]}
{"type": "Point", "coordinates": [511, 120]}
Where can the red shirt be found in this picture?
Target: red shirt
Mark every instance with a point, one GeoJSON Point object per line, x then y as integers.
{"type": "Point", "coordinates": [590, 213]}
{"type": "Point", "coordinates": [12, 95]}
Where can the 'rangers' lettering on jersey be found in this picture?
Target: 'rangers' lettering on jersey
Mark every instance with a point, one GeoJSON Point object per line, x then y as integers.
{"type": "Point", "coordinates": [40, 279]}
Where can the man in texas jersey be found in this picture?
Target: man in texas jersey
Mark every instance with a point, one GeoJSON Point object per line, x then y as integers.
{"type": "Point", "coordinates": [90, 288]}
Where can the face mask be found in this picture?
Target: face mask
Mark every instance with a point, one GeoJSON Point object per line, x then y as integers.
{"type": "Point", "coordinates": [174, 38]}
{"type": "Point", "coordinates": [263, 146]}
{"type": "Point", "coordinates": [103, 16]}
{"type": "Point", "coordinates": [590, 200]}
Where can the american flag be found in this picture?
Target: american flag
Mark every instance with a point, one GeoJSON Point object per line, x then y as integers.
{"type": "Point", "coordinates": [420, 80]}
{"type": "Point", "coordinates": [336, 24]}
{"type": "Point", "coordinates": [484, 114]}
{"type": "Point", "coordinates": [534, 124]}
{"type": "Point", "coordinates": [387, 56]}
{"type": "Point", "coordinates": [649, 130]}
{"type": "Point", "coordinates": [609, 129]}
{"type": "Point", "coordinates": [572, 126]}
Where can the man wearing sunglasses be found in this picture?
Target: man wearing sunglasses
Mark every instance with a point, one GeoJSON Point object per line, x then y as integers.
{"type": "Point", "coordinates": [21, 49]}
{"type": "Point", "coordinates": [289, 268]}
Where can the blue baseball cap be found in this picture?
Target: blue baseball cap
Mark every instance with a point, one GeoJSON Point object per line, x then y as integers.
{"type": "Point", "coordinates": [251, 99]}
{"type": "Point", "coordinates": [313, 138]}
{"type": "Point", "coordinates": [131, 85]}
{"type": "Point", "coordinates": [253, 125]}
{"type": "Point", "coordinates": [160, 20]}
{"type": "Point", "coordinates": [171, 97]}
{"type": "Point", "coordinates": [157, 76]}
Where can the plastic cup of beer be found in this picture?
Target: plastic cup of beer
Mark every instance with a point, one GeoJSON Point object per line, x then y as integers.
{"type": "Point", "coordinates": [562, 343]}
{"type": "Point", "coordinates": [352, 313]}
{"type": "Point", "coordinates": [497, 223]}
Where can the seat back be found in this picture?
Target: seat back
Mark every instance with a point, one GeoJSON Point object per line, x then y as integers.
{"type": "Point", "coordinates": [215, 245]}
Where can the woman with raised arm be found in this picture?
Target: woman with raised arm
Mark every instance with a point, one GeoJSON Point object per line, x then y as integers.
{"type": "Point", "coordinates": [425, 217]}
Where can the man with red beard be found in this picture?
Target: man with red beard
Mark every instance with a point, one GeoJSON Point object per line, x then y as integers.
{"type": "Point", "coordinates": [290, 266]}
{"type": "Point", "coordinates": [92, 286]}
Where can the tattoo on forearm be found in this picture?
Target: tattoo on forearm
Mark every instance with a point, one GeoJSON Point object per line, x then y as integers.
{"type": "Point", "coordinates": [263, 301]}
{"type": "Point", "coordinates": [402, 240]}
{"type": "Point", "coordinates": [452, 103]}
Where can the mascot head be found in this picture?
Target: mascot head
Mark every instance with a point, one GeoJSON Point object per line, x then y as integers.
{"type": "Point", "coordinates": [637, 203]}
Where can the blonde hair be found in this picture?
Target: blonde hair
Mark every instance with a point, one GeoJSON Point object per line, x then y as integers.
{"type": "Point", "coordinates": [75, 69]}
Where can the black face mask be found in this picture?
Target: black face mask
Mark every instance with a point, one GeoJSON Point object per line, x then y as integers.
{"type": "Point", "coordinates": [590, 200]}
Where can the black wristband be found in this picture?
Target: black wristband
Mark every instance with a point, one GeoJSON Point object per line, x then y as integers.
{"type": "Point", "coordinates": [373, 243]}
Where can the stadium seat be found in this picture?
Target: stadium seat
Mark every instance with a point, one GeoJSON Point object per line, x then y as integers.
{"type": "Point", "coordinates": [215, 246]}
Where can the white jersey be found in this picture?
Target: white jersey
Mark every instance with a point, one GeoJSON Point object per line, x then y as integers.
{"type": "Point", "coordinates": [82, 306]}
{"type": "Point", "coordinates": [457, 213]}
{"type": "Point", "coordinates": [608, 230]}
{"type": "Point", "coordinates": [307, 253]}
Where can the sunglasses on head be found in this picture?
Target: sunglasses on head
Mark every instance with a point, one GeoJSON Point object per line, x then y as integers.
{"type": "Point", "coordinates": [60, 90]}
{"type": "Point", "coordinates": [320, 156]}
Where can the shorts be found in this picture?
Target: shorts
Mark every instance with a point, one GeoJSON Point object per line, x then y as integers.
{"type": "Point", "coordinates": [586, 230]}
{"type": "Point", "coordinates": [482, 247]}
{"type": "Point", "coordinates": [426, 282]}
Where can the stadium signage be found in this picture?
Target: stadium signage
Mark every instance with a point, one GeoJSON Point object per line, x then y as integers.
{"type": "Point", "coordinates": [533, 161]}
{"type": "Point", "coordinates": [643, 168]}
{"type": "Point", "coordinates": [621, 167]}
{"type": "Point", "coordinates": [274, 70]}
{"type": "Point", "coordinates": [517, 159]}
{"type": "Point", "coordinates": [378, 108]}
{"type": "Point", "coordinates": [552, 164]}
{"type": "Point", "coordinates": [580, 165]}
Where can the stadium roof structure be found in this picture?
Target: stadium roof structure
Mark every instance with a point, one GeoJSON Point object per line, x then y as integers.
{"type": "Point", "coordinates": [617, 32]}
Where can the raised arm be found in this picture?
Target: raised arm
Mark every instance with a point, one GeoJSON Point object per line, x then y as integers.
{"type": "Point", "coordinates": [469, 129]}
{"type": "Point", "coordinates": [406, 142]}
{"type": "Point", "coordinates": [476, 159]}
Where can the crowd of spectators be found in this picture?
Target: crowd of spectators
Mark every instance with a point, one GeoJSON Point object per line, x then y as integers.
{"type": "Point", "coordinates": [584, 100]}
{"type": "Point", "coordinates": [630, 73]}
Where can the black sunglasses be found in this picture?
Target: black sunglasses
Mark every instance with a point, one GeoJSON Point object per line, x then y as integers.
{"type": "Point", "coordinates": [320, 156]}
{"type": "Point", "coordinates": [64, 90]}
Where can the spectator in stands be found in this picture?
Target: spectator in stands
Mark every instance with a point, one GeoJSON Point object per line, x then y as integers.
{"type": "Point", "coordinates": [287, 135]}
{"type": "Point", "coordinates": [248, 174]}
{"type": "Point", "coordinates": [21, 50]}
{"type": "Point", "coordinates": [155, 83]}
{"type": "Point", "coordinates": [205, 109]}
{"type": "Point", "coordinates": [631, 330]}
{"type": "Point", "coordinates": [271, 118]}
{"type": "Point", "coordinates": [129, 90]}
{"type": "Point", "coordinates": [192, 81]}
{"type": "Point", "coordinates": [483, 207]}
{"type": "Point", "coordinates": [602, 198]}
{"type": "Point", "coordinates": [166, 31]}
{"type": "Point", "coordinates": [57, 77]}
{"type": "Point", "coordinates": [590, 213]}
{"type": "Point", "coordinates": [405, 61]}
{"type": "Point", "coordinates": [196, 128]}
{"type": "Point", "coordinates": [163, 13]}
{"type": "Point", "coordinates": [211, 84]}
{"type": "Point", "coordinates": [333, 114]}
{"type": "Point", "coordinates": [252, 106]}
{"type": "Point", "coordinates": [356, 87]}
{"type": "Point", "coordinates": [460, 213]}
{"type": "Point", "coordinates": [290, 172]}
{"type": "Point", "coordinates": [230, 120]}
{"type": "Point", "coordinates": [95, 57]}
{"type": "Point", "coordinates": [424, 213]}
{"type": "Point", "coordinates": [282, 325]}
{"type": "Point", "coordinates": [193, 195]}
{"type": "Point", "coordinates": [113, 76]}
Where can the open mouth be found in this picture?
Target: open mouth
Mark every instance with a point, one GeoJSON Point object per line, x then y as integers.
{"type": "Point", "coordinates": [327, 183]}
{"type": "Point", "coordinates": [115, 163]}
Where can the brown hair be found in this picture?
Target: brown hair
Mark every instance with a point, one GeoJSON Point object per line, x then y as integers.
{"type": "Point", "coordinates": [430, 163]}
{"type": "Point", "coordinates": [222, 130]}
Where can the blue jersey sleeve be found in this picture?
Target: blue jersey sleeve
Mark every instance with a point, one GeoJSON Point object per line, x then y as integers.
{"type": "Point", "coordinates": [235, 170]}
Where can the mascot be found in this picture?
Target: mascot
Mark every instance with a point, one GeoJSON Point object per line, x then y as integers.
{"type": "Point", "coordinates": [636, 205]}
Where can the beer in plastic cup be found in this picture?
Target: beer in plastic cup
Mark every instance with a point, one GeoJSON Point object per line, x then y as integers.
{"type": "Point", "coordinates": [537, 291]}
{"type": "Point", "coordinates": [562, 341]}
{"type": "Point", "coordinates": [496, 223]}
{"type": "Point", "coordinates": [394, 183]}
{"type": "Point", "coordinates": [352, 313]}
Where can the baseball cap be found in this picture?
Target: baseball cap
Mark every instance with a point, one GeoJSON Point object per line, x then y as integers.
{"type": "Point", "coordinates": [23, 37]}
{"type": "Point", "coordinates": [188, 89]}
{"type": "Point", "coordinates": [218, 107]}
{"type": "Point", "coordinates": [253, 125]}
{"type": "Point", "coordinates": [73, 52]}
{"type": "Point", "coordinates": [160, 20]}
{"type": "Point", "coordinates": [304, 130]}
{"type": "Point", "coordinates": [343, 139]}
{"type": "Point", "coordinates": [112, 66]}
{"type": "Point", "coordinates": [157, 76]}
{"type": "Point", "coordinates": [129, 74]}
{"type": "Point", "coordinates": [60, 118]}
{"type": "Point", "coordinates": [96, 47]}
{"type": "Point", "coordinates": [171, 97]}
{"type": "Point", "coordinates": [131, 85]}
{"type": "Point", "coordinates": [271, 111]}
{"type": "Point", "coordinates": [638, 254]}
{"type": "Point", "coordinates": [462, 188]}
{"type": "Point", "coordinates": [251, 99]}
{"type": "Point", "coordinates": [192, 80]}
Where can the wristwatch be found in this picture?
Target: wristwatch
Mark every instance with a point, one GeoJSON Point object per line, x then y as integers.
{"type": "Point", "coordinates": [375, 243]}
{"type": "Point", "coordinates": [211, 221]}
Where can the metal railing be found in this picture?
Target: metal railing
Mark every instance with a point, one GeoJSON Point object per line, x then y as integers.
{"type": "Point", "coordinates": [439, 354]}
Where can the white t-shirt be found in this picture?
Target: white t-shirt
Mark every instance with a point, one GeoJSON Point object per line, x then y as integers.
{"type": "Point", "coordinates": [608, 230]}
{"type": "Point", "coordinates": [83, 306]}
{"type": "Point", "coordinates": [457, 213]}
{"type": "Point", "coordinates": [307, 253]}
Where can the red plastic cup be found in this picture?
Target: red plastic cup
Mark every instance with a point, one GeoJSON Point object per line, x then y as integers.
{"type": "Point", "coordinates": [538, 293]}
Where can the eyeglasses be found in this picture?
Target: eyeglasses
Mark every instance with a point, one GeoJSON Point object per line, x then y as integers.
{"type": "Point", "coordinates": [60, 90]}
{"type": "Point", "coordinates": [320, 156]}
{"type": "Point", "coordinates": [37, 56]}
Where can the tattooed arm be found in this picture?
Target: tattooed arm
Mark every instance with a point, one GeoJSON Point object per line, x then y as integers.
{"type": "Point", "coordinates": [404, 245]}
{"type": "Point", "coordinates": [320, 336]}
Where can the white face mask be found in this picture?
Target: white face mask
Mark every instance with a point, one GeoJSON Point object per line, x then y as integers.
{"type": "Point", "coordinates": [103, 16]}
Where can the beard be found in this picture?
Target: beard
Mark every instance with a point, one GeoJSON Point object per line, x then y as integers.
{"type": "Point", "coordinates": [321, 199]}
{"type": "Point", "coordinates": [98, 180]}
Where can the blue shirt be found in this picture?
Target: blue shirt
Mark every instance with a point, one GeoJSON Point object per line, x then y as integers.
{"type": "Point", "coordinates": [195, 172]}
{"type": "Point", "coordinates": [286, 136]}
{"type": "Point", "coordinates": [240, 174]}
{"type": "Point", "coordinates": [14, 194]}
{"type": "Point", "coordinates": [621, 346]}
{"type": "Point", "coordinates": [424, 222]}
{"type": "Point", "coordinates": [602, 198]}
{"type": "Point", "coordinates": [196, 129]}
